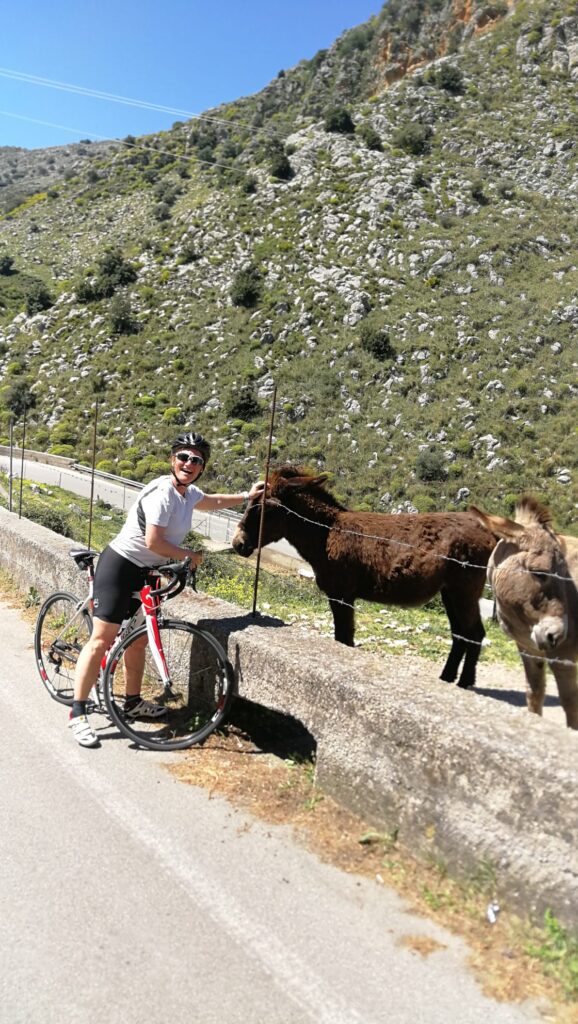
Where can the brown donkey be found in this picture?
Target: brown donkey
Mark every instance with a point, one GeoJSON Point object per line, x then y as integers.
{"type": "Point", "coordinates": [403, 560]}
{"type": "Point", "coordinates": [534, 575]}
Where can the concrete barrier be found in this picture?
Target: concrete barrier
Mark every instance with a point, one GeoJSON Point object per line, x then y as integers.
{"type": "Point", "coordinates": [466, 780]}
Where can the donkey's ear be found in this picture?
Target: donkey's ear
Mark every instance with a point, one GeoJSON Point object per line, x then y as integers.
{"type": "Point", "coordinates": [504, 529]}
{"type": "Point", "coordinates": [305, 481]}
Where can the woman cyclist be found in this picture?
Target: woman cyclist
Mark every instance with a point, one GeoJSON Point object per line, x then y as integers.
{"type": "Point", "coordinates": [152, 535]}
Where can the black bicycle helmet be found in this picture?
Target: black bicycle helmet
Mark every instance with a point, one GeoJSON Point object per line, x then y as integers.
{"type": "Point", "coordinates": [192, 440]}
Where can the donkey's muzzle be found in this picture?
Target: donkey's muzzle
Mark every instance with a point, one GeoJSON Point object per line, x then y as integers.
{"type": "Point", "coordinates": [241, 544]}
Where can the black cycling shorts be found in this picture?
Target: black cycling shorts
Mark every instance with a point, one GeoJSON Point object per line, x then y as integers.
{"type": "Point", "coordinates": [115, 580]}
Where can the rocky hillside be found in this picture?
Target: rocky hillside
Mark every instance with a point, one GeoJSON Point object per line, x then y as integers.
{"type": "Point", "coordinates": [387, 232]}
{"type": "Point", "coordinates": [25, 172]}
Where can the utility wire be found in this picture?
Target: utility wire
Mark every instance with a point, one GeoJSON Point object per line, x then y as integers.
{"type": "Point", "coordinates": [118, 142]}
{"type": "Point", "coordinates": [49, 83]}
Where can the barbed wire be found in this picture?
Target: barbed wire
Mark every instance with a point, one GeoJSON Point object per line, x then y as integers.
{"type": "Point", "coordinates": [212, 557]}
{"type": "Point", "coordinates": [413, 547]}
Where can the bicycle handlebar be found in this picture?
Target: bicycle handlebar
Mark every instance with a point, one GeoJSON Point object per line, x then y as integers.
{"type": "Point", "coordinates": [178, 573]}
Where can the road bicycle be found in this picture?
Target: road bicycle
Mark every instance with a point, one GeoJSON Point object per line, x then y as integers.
{"type": "Point", "coordinates": [185, 668]}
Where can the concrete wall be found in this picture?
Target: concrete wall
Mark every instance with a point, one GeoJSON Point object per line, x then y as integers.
{"type": "Point", "coordinates": [466, 780]}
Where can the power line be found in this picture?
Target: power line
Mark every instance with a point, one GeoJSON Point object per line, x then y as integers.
{"type": "Point", "coordinates": [49, 83]}
{"type": "Point", "coordinates": [119, 142]}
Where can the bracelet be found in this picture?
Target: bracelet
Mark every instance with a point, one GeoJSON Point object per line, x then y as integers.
{"type": "Point", "coordinates": [245, 495]}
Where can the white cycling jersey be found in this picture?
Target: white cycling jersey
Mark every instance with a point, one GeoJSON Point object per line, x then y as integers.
{"type": "Point", "coordinates": [159, 504]}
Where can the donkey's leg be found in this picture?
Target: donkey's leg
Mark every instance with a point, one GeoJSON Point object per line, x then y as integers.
{"type": "Point", "coordinates": [343, 621]}
{"type": "Point", "coordinates": [535, 683]}
{"type": "Point", "coordinates": [457, 651]}
{"type": "Point", "coordinates": [568, 692]}
{"type": "Point", "coordinates": [474, 632]}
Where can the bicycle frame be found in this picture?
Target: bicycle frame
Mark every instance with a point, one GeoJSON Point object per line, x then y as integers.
{"type": "Point", "coordinates": [149, 611]}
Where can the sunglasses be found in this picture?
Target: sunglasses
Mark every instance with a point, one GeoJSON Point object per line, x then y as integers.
{"type": "Point", "coordinates": [187, 457]}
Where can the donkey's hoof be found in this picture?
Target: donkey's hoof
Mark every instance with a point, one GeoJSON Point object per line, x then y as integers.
{"type": "Point", "coordinates": [448, 677]}
{"type": "Point", "coordinates": [463, 685]}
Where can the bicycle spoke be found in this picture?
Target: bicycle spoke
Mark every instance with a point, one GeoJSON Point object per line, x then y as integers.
{"type": "Point", "coordinates": [194, 700]}
{"type": "Point", "coordinates": [62, 629]}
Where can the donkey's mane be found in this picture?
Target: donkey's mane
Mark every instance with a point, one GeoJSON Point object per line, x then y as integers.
{"type": "Point", "coordinates": [530, 512]}
{"type": "Point", "coordinates": [313, 484]}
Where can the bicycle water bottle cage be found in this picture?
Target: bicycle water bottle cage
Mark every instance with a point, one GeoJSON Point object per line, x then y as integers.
{"type": "Point", "coordinates": [84, 558]}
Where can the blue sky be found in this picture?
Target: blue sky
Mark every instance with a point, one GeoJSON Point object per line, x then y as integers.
{"type": "Point", "coordinates": [183, 53]}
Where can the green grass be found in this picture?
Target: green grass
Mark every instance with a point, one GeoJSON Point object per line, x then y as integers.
{"type": "Point", "coordinates": [557, 951]}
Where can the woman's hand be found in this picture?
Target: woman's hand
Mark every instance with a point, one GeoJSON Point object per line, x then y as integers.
{"type": "Point", "coordinates": [196, 558]}
{"type": "Point", "coordinates": [257, 490]}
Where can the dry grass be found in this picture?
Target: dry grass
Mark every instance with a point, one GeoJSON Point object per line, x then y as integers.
{"type": "Point", "coordinates": [283, 791]}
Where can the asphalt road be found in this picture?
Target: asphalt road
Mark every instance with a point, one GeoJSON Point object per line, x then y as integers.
{"type": "Point", "coordinates": [130, 897]}
{"type": "Point", "coordinates": [218, 527]}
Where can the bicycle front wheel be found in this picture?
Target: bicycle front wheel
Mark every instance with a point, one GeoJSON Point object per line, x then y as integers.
{"type": "Point", "coordinates": [197, 698]}
{"type": "Point", "coordinates": [63, 626]}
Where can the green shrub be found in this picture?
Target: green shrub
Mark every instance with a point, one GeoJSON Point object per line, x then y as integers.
{"type": "Point", "coordinates": [106, 466]}
{"type": "Point", "coordinates": [338, 119]}
{"type": "Point", "coordinates": [430, 465]}
{"type": "Point", "coordinates": [369, 135]}
{"type": "Point", "coordinates": [162, 212]}
{"type": "Point", "coordinates": [242, 404]}
{"type": "Point", "coordinates": [85, 291]}
{"type": "Point", "coordinates": [6, 264]}
{"type": "Point", "coordinates": [423, 503]}
{"type": "Point", "coordinates": [450, 78]}
{"type": "Point", "coordinates": [374, 338]}
{"type": "Point", "coordinates": [280, 167]}
{"type": "Point", "coordinates": [121, 318]}
{"type": "Point", "coordinates": [246, 288]}
{"type": "Point", "coordinates": [477, 193]}
{"type": "Point", "coordinates": [464, 447]}
{"type": "Point", "coordinates": [51, 518]}
{"type": "Point", "coordinates": [357, 38]}
{"type": "Point", "coordinates": [38, 298]}
{"type": "Point", "coordinates": [67, 450]}
{"type": "Point", "coordinates": [419, 179]}
{"type": "Point", "coordinates": [64, 432]}
{"type": "Point", "coordinates": [188, 253]}
{"type": "Point", "coordinates": [413, 138]}
{"type": "Point", "coordinates": [114, 268]}
{"type": "Point", "coordinates": [173, 415]}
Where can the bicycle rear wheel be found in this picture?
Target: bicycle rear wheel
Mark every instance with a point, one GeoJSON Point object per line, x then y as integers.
{"type": "Point", "coordinates": [200, 692]}
{"type": "Point", "coordinates": [62, 628]}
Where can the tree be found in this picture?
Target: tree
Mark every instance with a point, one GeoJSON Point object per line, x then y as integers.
{"type": "Point", "coordinates": [338, 119]}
